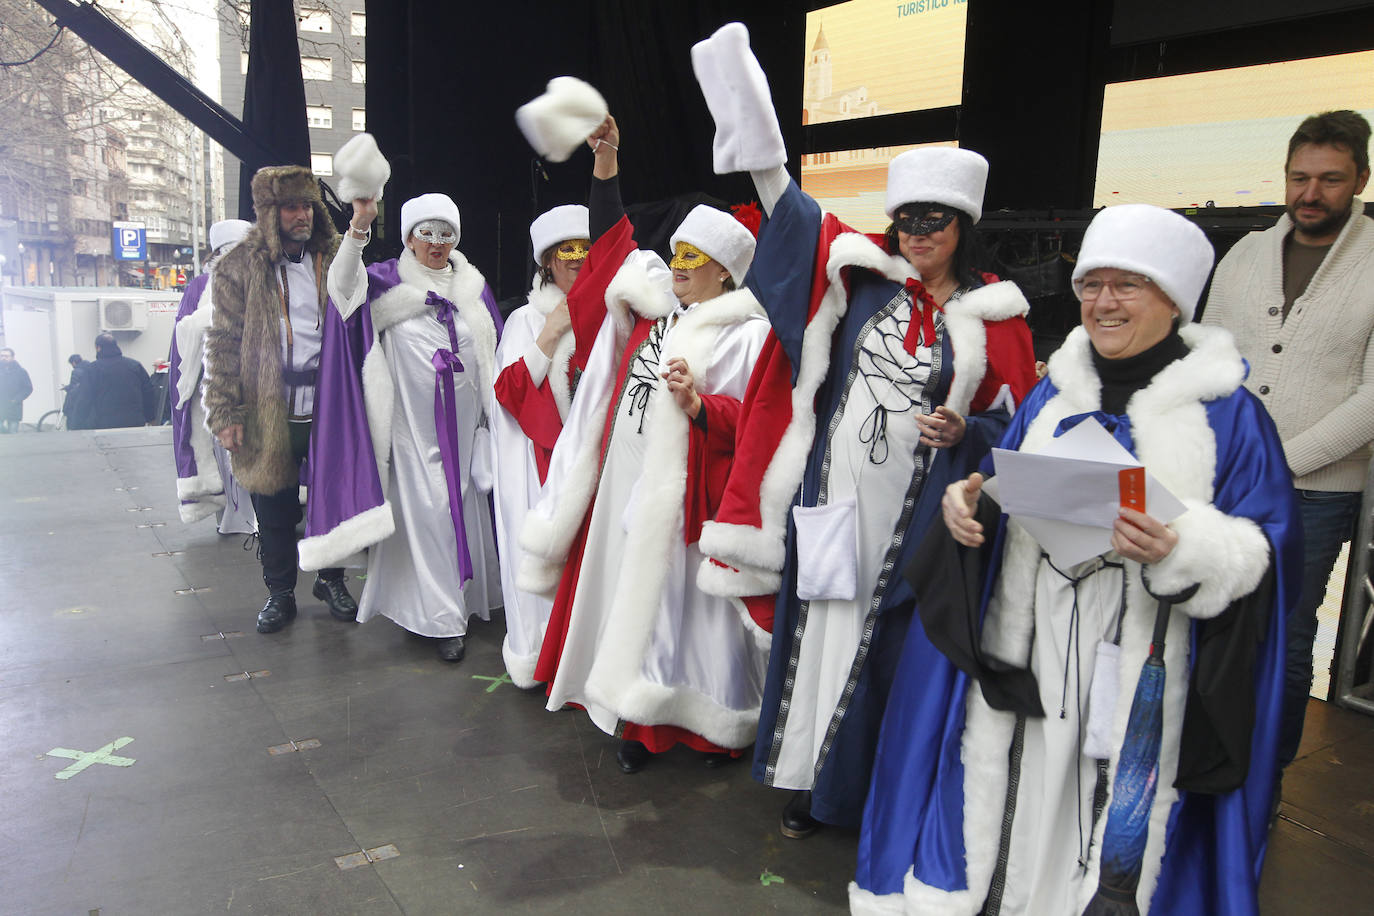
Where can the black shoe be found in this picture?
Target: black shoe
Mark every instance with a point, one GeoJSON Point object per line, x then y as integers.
{"type": "Point", "coordinates": [632, 756]}
{"type": "Point", "coordinates": [797, 822]}
{"type": "Point", "coordinates": [335, 595]}
{"type": "Point", "coordinates": [716, 761]}
{"type": "Point", "coordinates": [451, 648]}
{"type": "Point", "coordinates": [277, 613]}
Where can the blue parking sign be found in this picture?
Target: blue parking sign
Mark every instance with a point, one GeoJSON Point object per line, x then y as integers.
{"type": "Point", "coordinates": [130, 242]}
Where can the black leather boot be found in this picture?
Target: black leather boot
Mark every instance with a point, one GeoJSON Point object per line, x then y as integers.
{"type": "Point", "coordinates": [632, 756]}
{"type": "Point", "coordinates": [797, 822]}
{"type": "Point", "coordinates": [451, 648]}
{"type": "Point", "coordinates": [335, 595]}
{"type": "Point", "coordinates": [277, 613]}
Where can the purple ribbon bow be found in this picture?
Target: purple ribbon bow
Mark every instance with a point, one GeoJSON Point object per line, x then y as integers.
{"type": "Point", "coordinates": [445, 363]}
{"type": "Point", "coordinates": [444, 312]}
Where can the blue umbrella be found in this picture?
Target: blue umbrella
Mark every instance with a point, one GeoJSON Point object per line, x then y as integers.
{"type": "Point", "coordinates": [1133, 789]}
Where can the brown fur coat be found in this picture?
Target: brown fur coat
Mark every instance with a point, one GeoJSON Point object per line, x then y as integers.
{"type": "Point", "coordinates": [243, 350]}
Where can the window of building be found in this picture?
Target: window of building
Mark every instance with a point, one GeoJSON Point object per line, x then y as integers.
{"type": "Point", "coordinates": [319, 116]}
{"type": "Point", "coordinates": [317, 68]}
{"type": "Point", "coordinates": [243, 62]}
{"type": "Point", "coordinates": [78, 148]}
{"type": "Point", "coordinates": [358, 23]}
{"type": "Point", "coordinates": [79, 187]}
{"type": "Point", "coordinates": [360, 71]}
{"type": "Point", "coordinates": [360, 119]}
{"type": "Point", "coordinates": [322, 163]}
{"type": "Point", "coordinates": [316, 21]}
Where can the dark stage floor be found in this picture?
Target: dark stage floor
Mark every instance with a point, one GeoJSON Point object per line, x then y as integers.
{"type": "Point", "coordinates": [110, 649]}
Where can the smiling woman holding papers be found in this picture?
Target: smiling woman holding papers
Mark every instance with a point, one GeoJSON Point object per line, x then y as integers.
{"type": "Point", "coordinates": [1013, 811]}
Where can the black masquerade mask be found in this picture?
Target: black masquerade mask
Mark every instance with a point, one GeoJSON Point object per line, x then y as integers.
{"type": "Point", "coordinates": [923, 220]}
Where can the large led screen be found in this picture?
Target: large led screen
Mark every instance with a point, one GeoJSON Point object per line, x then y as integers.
{"type": "Point", "coordinates": [1219, 137]}
{"type": "Point", "coordinates": [876, 57]}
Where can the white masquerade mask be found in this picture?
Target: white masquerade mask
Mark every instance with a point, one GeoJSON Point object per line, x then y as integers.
{"type": "Point", "coordinates": [436, 232]}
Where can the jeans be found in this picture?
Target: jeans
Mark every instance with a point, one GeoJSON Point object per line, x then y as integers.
{"type": "Point", "coordinates": [9, 426]}
{"type": "Point", "coordinates": [1328, 521]}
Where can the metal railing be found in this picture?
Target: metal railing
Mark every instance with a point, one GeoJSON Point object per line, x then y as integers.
{"type": "Point", "coordinates": [1354, 677]}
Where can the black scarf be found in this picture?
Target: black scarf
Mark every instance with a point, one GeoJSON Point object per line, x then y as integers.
{"type": "Point", "coordinates": [1122, 378]}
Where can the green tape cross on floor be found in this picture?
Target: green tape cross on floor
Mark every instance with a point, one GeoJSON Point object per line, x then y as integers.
{"type": "Point", "coordinates": [84, 759]}
{"type": "Point", "coordinates": [495, 681]}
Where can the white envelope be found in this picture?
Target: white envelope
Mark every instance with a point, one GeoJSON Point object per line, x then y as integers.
{"type": "Point", "coordinates": [1067, 494]}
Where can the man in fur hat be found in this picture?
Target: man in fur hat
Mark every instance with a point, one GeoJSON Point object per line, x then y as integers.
{"type": "Point", "coordinates": [262, 358]}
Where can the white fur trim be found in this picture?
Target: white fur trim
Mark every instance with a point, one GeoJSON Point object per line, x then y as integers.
{"type": "Point", "coordinates": [1226, 554]}
{"type": "Point", "coordinates": [204, 507]}
{"type": "Point", "coordinates": [379, 402]}
{"type": "Point", "coordinates": [642, 285]}
{"type": "Point", "coordinates": [736, 582]}
{"type": "Point", "coordinates": [561, 224]}
{"type": "Point", "coordinates": [938, 175]}
{"type": "Point", "coordinates": [199, 486]}
{"type": "Point", "coordinates": [968, 336]}
{"type": "Point", "coordinates": [545, 297]}
{"type": "Point", "coordinates": [352, 535]}
{"type": "Point", "coordinates": [519, 667]}
{"type": "Point", "coordinates": [362, 169]}
{"type": "Point", "coordinates": [536, 575]}
{"type": "Point", "coordinates": [616, 680]}
{"type": "Point", "coordinates": [550, 538]}
{"type": "Point", "coordinates": [736, 90]}
{"type": "Point", "coordinates": [721, 236]}
{"type": "Point", "coordinates": [867, 903]}
{"type": "Point", "coordinates": [559, 121]}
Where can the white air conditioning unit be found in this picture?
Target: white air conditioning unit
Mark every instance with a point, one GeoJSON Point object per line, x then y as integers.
{"type": "Point", "coordinates": [119, 314]}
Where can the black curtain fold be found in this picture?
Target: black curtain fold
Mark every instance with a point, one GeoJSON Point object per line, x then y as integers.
{"type": "Point", "coordinates": [274, 94]}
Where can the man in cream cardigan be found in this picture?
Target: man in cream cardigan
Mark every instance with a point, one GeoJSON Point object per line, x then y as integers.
{"type": "Point", "coordinates": [1299, 298]}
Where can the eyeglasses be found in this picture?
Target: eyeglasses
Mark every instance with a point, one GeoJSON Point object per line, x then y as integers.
{"type": "Point", "coordinates": [1124, 289]}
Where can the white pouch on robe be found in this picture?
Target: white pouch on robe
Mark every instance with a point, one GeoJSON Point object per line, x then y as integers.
{"type": "Point", "coordinates": [827, 551]}
{"type": "Point", "coordinates": [1097, 743]}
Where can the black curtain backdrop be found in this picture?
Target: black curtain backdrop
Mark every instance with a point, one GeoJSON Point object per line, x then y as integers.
{"type": "Point", "coordinates": [444, 82]}
{"type": "Point", "coordinates": [274, 93]}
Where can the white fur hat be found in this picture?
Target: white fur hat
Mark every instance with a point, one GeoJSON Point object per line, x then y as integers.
{"type": "Point", "coordinates": [938, 175]}
{"type": "Point", "coordinates": [1164, 246]}
{"type": "Point", "coordinates": [228, 232]}
{"type": "Point", "coordinates": [429, 206]}
{"type": "Point", "coordinates": [721, 236]}
{"type": "Point", "coordinates": [560, 120]}
{"type": "Point", "coordinates": [362, 169]}
{"type": "Point", "coordinates": [570, 221]}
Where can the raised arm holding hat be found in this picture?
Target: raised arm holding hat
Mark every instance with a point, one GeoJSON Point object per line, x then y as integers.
{"type": "Point", "coordinates": [893, 365]}
{"type": "Point", "coordinates": [406, 455]}
{"type": "Point", "coordinates": [639, 466]}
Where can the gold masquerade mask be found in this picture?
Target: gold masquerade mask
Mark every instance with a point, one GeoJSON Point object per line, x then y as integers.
{"type": "Point", "coordinates": [687, 256]}
{"type": "Point", "coordinates": [572, 250]}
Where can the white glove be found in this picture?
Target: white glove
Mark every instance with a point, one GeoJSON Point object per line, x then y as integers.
{"type": "Point", "coordinates": [736, 90]}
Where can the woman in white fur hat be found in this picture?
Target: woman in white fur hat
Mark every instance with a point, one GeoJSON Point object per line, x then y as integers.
{"type": "Point", "coordinates": [1022, 807]}
{"type": "Point", "coordinates": [533, 393]}
{"type": "Point", "coordinates": [639, 466]}
{"type": "Point", "coordinates": [895, 365]}
{"type": "Point", "coordinates": [405, 462]}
